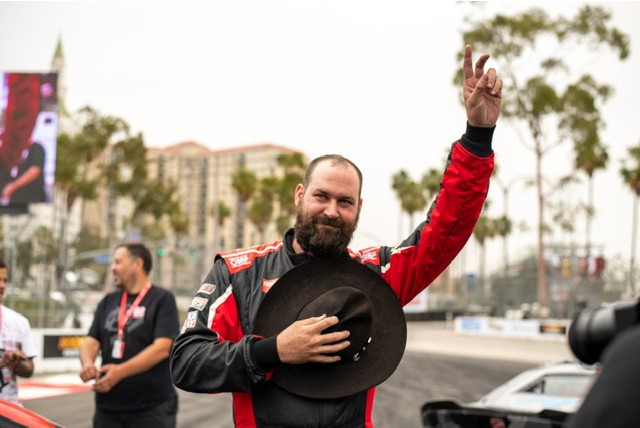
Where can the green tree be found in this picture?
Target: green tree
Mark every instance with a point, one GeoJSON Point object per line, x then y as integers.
{"type": "Point", "coordinates": [261, 208]}
{"type": "Point", "coordinates": [119, 165]}
{"type": "Point", "coordinates": [127, 174]}
{"type": "Point", "coordinates": [74, 180]}
{"type": "Point", "coordinates": [74, 152]}
{"type": "Point", "coordinates": [293, 166]}
{"type": "Point", "coordinates": [539, 85]}
{"type": "Point", "coordinates": [630, 172]}
{"type": "Point", "coordinates": [271, 198]}
{"type": "Point", "coordinates": [410, 193]}
{"type": "Point", "coordinates": [414, 195]}
{"type": "Point", "coordinates": [431, 183]}
{"type": "Point", "coordinates": [581, 122]}
{"type": "Point", "coordinates": [220, 213]}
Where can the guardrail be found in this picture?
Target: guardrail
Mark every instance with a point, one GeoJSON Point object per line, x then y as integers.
{"type": "Point", "coordinates": [553, 329]}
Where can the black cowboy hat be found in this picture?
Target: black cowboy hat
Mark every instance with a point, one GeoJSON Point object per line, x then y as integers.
{"type": "Point", "coordinates": [364, 304]}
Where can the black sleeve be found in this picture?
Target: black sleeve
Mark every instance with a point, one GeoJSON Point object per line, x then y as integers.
{"type": "Point", "coordinates": [211, 353]}
{"type": "Point", "coordinates": [478, 140]}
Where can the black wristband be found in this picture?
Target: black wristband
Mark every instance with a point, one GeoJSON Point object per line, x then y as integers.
{"type": "Point", "coordinates": [478, 140]}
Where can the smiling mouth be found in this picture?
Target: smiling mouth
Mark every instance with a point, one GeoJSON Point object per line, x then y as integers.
{"type": "Point", "coordinates": [331, 226]}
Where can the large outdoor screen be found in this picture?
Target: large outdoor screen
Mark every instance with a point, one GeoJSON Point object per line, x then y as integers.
{"type": "Point", "coordinates": [28, 137]}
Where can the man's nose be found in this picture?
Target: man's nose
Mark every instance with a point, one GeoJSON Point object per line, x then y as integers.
{"type": "Point", "coordinates": [331, 209]}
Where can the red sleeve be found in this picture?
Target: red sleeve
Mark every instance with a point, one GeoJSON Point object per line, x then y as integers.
{"type": "Point", "coordinates": [418, 261]}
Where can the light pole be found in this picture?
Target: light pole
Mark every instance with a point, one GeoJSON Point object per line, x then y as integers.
{"type": "Point", "coordinates": [506, 188]}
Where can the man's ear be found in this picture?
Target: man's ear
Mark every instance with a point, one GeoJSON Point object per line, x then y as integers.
{"type": "Point", "coordinates": [299, 192]}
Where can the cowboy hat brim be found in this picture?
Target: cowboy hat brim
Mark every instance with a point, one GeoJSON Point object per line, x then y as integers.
{"type": "Point", "coordinates": [304, 283]}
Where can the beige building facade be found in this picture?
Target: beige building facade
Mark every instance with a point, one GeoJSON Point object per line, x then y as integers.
{"type": "Point", "coordinates": [203, 178]}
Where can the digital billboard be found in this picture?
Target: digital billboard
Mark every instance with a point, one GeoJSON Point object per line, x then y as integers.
{"type": "Point", "coordinates": [28, 138]}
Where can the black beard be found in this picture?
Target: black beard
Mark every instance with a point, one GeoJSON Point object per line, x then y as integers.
{"type": "Point", "coordinates": [323, 242]}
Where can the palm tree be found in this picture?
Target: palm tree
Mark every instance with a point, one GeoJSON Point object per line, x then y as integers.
{"type": "Point", "coordinates": [293, 166]}
{"type": "Point", "coordinates": [74, 180]}
{"type": "Point", "coordinates": [220, 211]}
{"type": "Point", "coordinates": [262, 205]}
{"type": "Point", "coordinates": [631, 176]}
{"type": "Point", "coordinates": [431, 183]}
{"type": "Point", "coordinates": [582, 122]}
{"type": "Point", "coordinates": [410, 193]}
{"type": "Point", "coordinates": [260, 211]}
{"type": "Point", "coordinates": [244, 182]}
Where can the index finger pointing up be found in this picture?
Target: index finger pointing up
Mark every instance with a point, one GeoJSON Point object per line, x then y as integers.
{"type": "Point", "coordinates": [467, 67]}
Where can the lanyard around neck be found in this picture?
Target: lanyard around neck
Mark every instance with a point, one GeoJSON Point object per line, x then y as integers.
{"type": "Point", "coordinates": [123, 316]}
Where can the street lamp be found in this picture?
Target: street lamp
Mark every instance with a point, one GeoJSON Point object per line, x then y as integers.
{"type": "Point", "coordinates": [506, 188]}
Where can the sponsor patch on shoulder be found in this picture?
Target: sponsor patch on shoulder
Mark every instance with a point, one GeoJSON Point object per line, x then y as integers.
{"type": "Point", "coordinates": [192, 315]}
{"type": "Point", "coordinates": [241, 260]}
{"type": "Point", "coordinates": [370, 257]}
{"type": "Point", "coordinates": [198, 303]}
{"type": "Point", "coordinates": [207, 288]}
{"type": "Point", "coordinates": [188, 323]}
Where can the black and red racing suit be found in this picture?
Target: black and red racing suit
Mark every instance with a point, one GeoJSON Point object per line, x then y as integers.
{"type": "Point", "coordinates": [216, 350]}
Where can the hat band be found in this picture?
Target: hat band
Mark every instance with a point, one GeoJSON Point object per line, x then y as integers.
{"type": "Point", "coordinates": [356, 356]}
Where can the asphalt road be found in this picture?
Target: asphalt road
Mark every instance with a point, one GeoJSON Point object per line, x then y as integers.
{"type": "Point", "coordinates": [420, 377]}
{"type": "Point", "coordinates": [438, 365]}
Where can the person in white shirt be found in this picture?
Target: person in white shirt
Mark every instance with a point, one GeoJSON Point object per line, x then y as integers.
{"type": "Point", "coordinates": [17, 349]}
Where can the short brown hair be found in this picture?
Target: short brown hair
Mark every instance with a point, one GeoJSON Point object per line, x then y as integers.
{"type": "Point", "coordinates": [336, 160]}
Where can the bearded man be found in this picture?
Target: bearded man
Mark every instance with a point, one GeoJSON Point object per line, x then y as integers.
{"type": "Point", "coordinates": [220, 347]}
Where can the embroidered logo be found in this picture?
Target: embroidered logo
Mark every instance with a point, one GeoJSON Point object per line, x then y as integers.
{"type": "Point", "coordinates": [138, 312]}
{"type": "Point", "coordinates": [239, 261]}
{"type": "Point", "coordinates": [207, 288]}
{"type": "Point", "coordinates": [370, 256]}
{"type": "Point", "coordinates": [198, 303]}
{"type": "Point", "coordinates": [187, 324]}
{"type": "Point", "coordinates": [267, 283]}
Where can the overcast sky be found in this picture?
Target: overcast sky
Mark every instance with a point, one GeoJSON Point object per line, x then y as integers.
{"type": "Point", "coordinates": [367, 79]}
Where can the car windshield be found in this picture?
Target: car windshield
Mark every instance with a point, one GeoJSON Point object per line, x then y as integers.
{"type": "Point", "coordinates": [562, 385]}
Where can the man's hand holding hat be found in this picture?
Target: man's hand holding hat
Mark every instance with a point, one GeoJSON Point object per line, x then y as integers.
{"type": "Point", "coordinates": [303, 341]}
